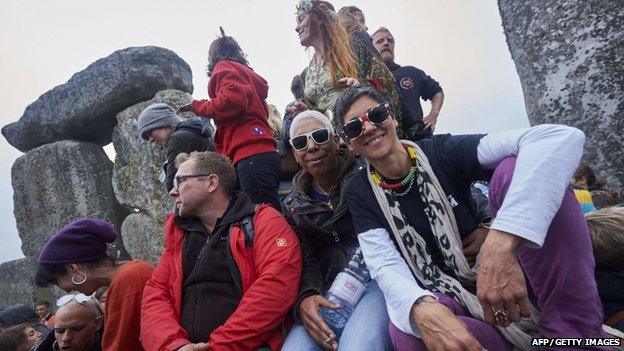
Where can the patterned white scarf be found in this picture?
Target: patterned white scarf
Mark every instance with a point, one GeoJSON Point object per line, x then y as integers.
{"type": "Point", "coordinates": [444, 228]}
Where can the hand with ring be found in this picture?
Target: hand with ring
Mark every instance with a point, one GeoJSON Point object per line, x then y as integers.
{"type": "Point", "coordinates": [314, 325]}
{"type": "Point", "coordinates": [500, 316]}
{"type": "Point", "coordinates": [501, 286]}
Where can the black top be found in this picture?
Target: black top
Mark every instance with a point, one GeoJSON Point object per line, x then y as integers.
{"type": "Point", "coordinates": [210, 289]}
{"type": "Point", "coordinates": [193, 134]}
{"type": "Point", "coordinates": [454, 161]}
{"type": "Point", "coordinates": [412, 85]}
{"type": "Point", "coordinates": [325, 230]}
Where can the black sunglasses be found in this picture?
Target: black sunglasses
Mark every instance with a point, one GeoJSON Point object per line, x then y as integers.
{"type": "Point", "coordinates": [319, 136]}
{"type": "Point", "coordinates": [178, 180]}
{"type": "Point", "coordinates": [377, 115]}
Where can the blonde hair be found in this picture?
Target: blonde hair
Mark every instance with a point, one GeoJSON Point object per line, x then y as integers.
{"type": "Point", "coordinates": [352, 19]}
{"type": "Point", "coordinates": [209, 162]}
{"type": "Point", "coordinates": [336, 41]}
{"type": "Point", "coordinates": [381, 29]}
{"type": "Point", "coordinates": [606, 229]}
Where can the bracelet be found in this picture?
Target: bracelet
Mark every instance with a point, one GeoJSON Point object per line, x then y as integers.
{"type": "Point", "coordinates": [421, 299]}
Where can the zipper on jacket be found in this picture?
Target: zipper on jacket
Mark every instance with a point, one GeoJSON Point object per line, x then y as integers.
{"type": "Point", "coordinates": [335, 236]}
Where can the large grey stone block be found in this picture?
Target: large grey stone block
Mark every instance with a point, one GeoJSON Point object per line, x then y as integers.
{"type": "Point", "coordinates": [85, 107]}
{"type": "Point", "coordinates": [570, 59]}
{"type": "Point", "coordinates": [57, 183]}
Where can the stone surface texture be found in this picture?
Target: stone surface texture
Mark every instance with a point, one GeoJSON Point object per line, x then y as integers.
{"type": "Point", "coordinates": [570, 59]}
{"type": "Point", "coordinates": [85, 107]}
{"type": "Point", "coordinates": [57, 183]}
{"type": "Point", "coordinates": [137, 174]}
{"type": "Point", "coordinates": [143, 236]}
{"type": "Point", "coordinates": [17, 284]}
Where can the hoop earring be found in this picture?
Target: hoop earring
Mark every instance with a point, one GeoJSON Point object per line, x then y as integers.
{"type": "Point", "coordinates": [79, 282]}
{"type": "Point", "coordinates": [55, 346]}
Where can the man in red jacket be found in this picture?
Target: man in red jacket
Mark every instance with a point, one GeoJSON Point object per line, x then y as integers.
{"type": "Point", "coordinates": [230, 269]}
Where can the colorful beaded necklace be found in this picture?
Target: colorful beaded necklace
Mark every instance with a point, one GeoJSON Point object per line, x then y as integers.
{"type": "Point", "coordinates": [406, 181]}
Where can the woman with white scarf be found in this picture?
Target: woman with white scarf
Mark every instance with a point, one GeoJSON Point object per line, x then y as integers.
{"type": "Point", "coordinates": [413, 214]}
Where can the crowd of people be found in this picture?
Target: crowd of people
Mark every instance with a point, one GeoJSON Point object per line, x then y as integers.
{"type": "Point", "coordinates": [460, 255]}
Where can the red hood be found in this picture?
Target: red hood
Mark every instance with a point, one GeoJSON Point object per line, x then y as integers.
{"type": "Point", "coordinates": [259, 83]}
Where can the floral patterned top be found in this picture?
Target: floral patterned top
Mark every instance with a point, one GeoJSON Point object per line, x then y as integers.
{"type": "Point", "coordinates": [319, 93]}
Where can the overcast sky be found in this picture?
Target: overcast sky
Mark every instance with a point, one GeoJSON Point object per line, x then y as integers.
{"type": "Point", "coordinates": [42, 43]}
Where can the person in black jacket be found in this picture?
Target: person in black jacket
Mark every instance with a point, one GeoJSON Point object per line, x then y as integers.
{"type": "Point", "coordinates": [316, 210]}
{"type": "Point", "coordinates": [160, 124]}
{"type": "Point", "coordinates": [412, 84]}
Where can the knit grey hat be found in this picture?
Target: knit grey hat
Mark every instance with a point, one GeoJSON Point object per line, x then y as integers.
{"type": "Point", "coordinates": [156, 116]}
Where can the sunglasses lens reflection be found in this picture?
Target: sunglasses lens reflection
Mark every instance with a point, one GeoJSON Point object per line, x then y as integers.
{"type": "Point", "coordinates": [299, 142]}
{"type": "Point", "coordinates": [353, 129]}
{"type": "Point", "coordinates": [320, 136]}
{"type": "Point", "coordinates": [378, 115]}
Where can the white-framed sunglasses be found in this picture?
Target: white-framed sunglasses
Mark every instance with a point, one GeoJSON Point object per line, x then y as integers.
{"type": "Point", "coordinates": [80, 298]}
{"type": "Point", "coordinates": [319, 136]}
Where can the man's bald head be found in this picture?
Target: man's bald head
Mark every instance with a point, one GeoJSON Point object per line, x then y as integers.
{"type": "Point", "coordinates": [88, 309]}
{"type": "Point", "coordinates": [76, 324]}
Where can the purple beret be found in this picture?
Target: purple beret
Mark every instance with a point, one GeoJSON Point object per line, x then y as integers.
{"type": "Point", "coordinates": [81, 241]}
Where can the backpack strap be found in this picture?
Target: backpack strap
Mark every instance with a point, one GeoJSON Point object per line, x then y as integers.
{"type": "Point", "coordinates": [247, 226]}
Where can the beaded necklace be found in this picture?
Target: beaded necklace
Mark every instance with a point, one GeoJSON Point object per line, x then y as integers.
{"type": "Point", "coordinates": [407, 181]}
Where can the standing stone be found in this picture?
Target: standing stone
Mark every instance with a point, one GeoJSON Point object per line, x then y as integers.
{"type": "Point", "coordinates": [139, 164]}
{"type": "Point", "coordinates": [85, 107]}
{"type": "Point", "coordinates": [570, 58]}
{"type": "Point", "coordinates": [136, 179]}
{"type": "Point", "coordinates": [57, 183]}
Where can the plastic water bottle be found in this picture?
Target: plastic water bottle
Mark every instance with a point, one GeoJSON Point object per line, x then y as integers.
{"type": "Point", "coordinates": [346, 290]}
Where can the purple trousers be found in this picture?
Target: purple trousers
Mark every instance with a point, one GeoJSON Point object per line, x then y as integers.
{"type": "Point", "coordinates": [560, 276]}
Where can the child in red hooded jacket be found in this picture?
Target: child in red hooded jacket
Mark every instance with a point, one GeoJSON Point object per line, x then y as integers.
{"type": "Point", "coordinates": [239, 110]}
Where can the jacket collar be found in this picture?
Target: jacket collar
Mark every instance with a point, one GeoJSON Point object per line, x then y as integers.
{"type": "Point", "coordinates": [239, 207]}
{"type": "Point", "coordinates": [302, 181]}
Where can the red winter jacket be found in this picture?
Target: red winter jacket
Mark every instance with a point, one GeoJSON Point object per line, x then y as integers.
{"type": "Point", "coordinates": [239, 109]}
{"type": "Point", "coordinates": [270, 271]}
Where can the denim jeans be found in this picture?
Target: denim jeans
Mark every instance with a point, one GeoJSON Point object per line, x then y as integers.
{"type": "Point", "coordinates": [367, 328]}
{"type": "Point", "coordinates": [259, 177]}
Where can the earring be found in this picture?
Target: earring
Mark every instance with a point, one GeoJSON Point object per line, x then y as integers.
{"type": "Point", "coordinates": [74, 280]}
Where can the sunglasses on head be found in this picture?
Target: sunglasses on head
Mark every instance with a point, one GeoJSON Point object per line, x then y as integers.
{"type": "Point", "coordinates": [80, 298]}
{"type": "Point", "coordinates": [377, 116]}
{"type": "Point", "coordinates": [319, 136]}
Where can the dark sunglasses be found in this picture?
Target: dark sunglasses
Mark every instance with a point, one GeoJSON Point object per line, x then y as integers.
{"type": "Point", "coordinates": [377, 115]}
{"type": "Point", "coordinates": [319, 136]}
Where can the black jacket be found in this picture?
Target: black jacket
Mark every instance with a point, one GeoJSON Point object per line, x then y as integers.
{"type": "Point", "coordinates": [212, 281]}
{"type": "Point", "coordinates": [325, 232]}
{"type": "Point", "coordinates": [413, 84]}
{"type": "Point", "coordinates": [190, 135]}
